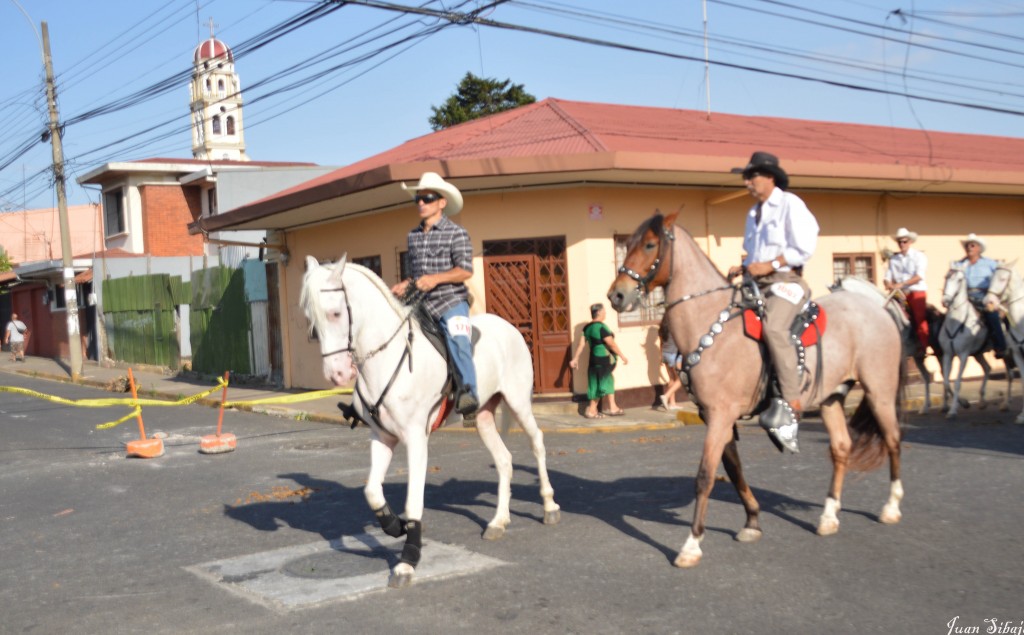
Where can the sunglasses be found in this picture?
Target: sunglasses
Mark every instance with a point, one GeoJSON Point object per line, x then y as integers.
{"type": "Point", "coordinates": [902, 242]}
{"type": "Point", "coordinates": [427, 198]}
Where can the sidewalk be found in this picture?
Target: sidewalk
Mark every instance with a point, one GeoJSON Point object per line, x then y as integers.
{"type": "Point", "coordinates": [157, 383]}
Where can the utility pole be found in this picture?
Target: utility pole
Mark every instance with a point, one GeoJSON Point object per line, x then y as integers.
{"type": "Point", "coordinates": [70, 293]}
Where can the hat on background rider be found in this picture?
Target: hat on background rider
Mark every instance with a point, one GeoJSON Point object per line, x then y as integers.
{"type": "Point", "coordinates": [780, 236]}
{"type": "Point", "coordinates": [906, 272]}
{"type": "Point", "coordinates": [978, 271]}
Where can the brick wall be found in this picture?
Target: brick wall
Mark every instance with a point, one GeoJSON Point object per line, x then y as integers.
{"type": "Point", "coordinates": [166, 212]}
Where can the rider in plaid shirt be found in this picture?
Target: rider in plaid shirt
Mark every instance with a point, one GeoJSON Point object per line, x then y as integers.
{"type": "Point", "coordinates": [441, 259]}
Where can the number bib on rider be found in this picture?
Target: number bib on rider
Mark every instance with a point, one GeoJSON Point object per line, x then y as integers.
{"type": "Point", "coordinates": [459, 326]}
{"type": "Point", "coordinates": [789, 291]}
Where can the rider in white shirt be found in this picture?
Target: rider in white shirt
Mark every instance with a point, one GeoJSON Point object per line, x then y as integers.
{"type": "Point", "coordinates": [780, 237]}
{"type": "Point", "coordinates": [906, 272]}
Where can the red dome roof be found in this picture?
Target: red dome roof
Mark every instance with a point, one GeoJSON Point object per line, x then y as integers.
{"type": "Point", "coordinates": [210, 49]}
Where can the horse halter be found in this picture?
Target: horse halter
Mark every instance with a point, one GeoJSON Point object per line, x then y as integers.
{"type": "Point", "coordinates": [643, 282]}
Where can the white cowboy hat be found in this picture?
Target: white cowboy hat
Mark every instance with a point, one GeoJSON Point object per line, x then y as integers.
{"type": "Point", "coordinates": [432, 181]}
{"type": "Point", "coordinates": [903, 232]}
{"type": "Point", "coordinates": [973, 238]}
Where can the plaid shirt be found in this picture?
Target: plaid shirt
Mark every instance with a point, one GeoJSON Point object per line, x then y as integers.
{"type": "Point", "coordinates": [443, 248]}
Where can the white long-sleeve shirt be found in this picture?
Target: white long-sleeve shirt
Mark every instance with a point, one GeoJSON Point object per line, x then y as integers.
{"type": "Point", "coordinates": [903, 268]}
{"type": "Point", "coordinates": [787, 228]}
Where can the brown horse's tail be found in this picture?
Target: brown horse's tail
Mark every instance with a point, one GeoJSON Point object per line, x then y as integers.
{"type": "Point", "coordinates": [868, 449]}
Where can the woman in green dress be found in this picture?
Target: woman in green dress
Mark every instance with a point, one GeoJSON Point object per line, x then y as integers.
{"type": "Point", "coordinates": [603, 354]}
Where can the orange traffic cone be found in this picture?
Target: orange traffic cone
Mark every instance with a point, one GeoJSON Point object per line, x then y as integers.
{"type": "Point", "coordinates": [142, 447]}
{"type": "Point", "coordinates": [221, 442]}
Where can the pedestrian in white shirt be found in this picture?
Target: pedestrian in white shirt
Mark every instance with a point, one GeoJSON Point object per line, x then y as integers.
{"type": "Point", "coordinates": [15, 336]}
{"type": "Point", "coordinates": [906, 273]}
{"type": "Point", "coordinates": [780, 237]}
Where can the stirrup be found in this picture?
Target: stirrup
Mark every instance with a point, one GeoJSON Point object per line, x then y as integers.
{"type": "Point", "coordinates": [782, 426]}
{"type": "Point", "coordinates": [466, 404]}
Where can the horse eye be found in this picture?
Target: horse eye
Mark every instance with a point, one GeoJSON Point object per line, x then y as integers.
{"type": "Point", "coordinates": [337, 314]}
{"type": "Point", "coordinates": [651, 245]}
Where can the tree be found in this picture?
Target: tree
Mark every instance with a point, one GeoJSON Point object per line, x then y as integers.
{"type": "Point", "coordinates": [478, 97]}
{"type": "Point", "coordinates": [5, 261]}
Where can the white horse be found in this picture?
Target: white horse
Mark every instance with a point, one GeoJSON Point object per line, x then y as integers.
{"type": "Point", "coordinates": [911, 347]}
{"type": "Point", "coordinates": [963, 335]}
{"type": "Point", "coordinates": [399, 391]}
{"type": "Point", "coordinates": [1006, 292]}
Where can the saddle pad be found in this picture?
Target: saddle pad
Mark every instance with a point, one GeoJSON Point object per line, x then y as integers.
{"type": "Point", "coordinates": [754, 329]}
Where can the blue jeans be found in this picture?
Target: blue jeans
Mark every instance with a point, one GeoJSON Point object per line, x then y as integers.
{"type": "Point", "coordinates": [995, 329]}
{"type": "Point", "coordinates": [460, 343]}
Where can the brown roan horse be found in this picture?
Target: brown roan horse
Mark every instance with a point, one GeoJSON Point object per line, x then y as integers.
{"type": "Point", "coordinates": [861, 344]}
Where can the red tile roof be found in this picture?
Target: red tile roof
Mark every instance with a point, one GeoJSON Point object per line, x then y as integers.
{"type": "Point", "coordinates": [557, 136]}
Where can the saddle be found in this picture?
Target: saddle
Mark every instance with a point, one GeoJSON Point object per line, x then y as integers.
{"type": "Point", "coordinates": [453, 385]}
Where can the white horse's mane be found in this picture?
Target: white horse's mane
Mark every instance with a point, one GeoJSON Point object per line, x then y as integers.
{"type": "Point", "coordinates": [309, 299]}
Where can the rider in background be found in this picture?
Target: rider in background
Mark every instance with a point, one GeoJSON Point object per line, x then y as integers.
{"type": "Point", "coordinates": [780, 237]}
{"type": "Point", "coordinates": [440, 262]}
{"type": "Point", "coordinates": [906, 272]}
{"type": "Point", "coordinates": [978, 270]}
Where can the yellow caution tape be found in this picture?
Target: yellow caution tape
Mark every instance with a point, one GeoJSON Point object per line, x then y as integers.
{"type": "Point", "coordinates": [138, 403]}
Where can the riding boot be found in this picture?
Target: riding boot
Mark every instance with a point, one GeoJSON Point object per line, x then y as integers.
{"type": "Point", "coordinates": [781, 420]}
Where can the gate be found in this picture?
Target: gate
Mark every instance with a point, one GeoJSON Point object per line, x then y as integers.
{"type": "Point", "coordinates": [525, 282]}
{"type": "Point", "coordinates": [141, 316]}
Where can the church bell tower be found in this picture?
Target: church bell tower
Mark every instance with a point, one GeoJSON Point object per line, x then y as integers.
{"type": "Point", "coordinates": [216, 105]}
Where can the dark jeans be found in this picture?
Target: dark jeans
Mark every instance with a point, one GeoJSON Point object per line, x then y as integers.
{"type": "Point", "coordinates": [995, 329]}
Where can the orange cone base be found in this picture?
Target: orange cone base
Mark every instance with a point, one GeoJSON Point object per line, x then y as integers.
{"type": "Point", "coordinates": [218, 443]}
{"type": "Point", "coordinates": [146, 448]}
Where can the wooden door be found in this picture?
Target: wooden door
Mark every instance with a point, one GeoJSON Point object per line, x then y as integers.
{"type": "Point", "coordinates": [530, 290]}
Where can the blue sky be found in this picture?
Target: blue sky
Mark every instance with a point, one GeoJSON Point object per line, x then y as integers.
{"type": "Point", "coordinates": [355, 100]}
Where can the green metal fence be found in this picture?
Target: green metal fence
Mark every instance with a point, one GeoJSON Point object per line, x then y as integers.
{"type": "Point", "coordinates": [141, 326]}
{"type": "Point", "coordinates": [220, 321]}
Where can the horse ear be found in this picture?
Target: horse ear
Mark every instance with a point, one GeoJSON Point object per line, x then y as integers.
{"type": "Point", "coordinates": [1012, 264]}
{"type": "Point", "coordinates": [670, 220]}
{"type": "Point", "coordinates": [343, 260]}
{"type": "Point", "coordinates": [311, 263]}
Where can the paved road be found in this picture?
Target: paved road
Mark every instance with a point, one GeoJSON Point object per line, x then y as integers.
{"type": "Point", "coordinates": [276, 537]}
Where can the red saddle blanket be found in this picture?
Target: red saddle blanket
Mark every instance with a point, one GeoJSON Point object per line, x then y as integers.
{"type": "Point", "coordinates": [810, 324]}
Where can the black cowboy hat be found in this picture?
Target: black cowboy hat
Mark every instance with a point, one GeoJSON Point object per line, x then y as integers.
{"type": "Point", "coordinates": [765, 163]}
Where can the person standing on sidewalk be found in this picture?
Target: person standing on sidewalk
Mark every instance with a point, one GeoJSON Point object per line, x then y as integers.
{"type": "Point", "coordinates": [603, 355]}
{"type": "Point", "coordinates": [15, 336]}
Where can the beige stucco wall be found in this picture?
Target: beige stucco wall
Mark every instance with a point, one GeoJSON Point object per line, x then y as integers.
{"type": "Point", "coordinates": [851, 223]}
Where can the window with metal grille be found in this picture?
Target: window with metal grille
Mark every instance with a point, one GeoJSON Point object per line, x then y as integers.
{"type": "Point", "coordinates": [652, 308]}
{"type": "Point", "coordinates": [853, 265]}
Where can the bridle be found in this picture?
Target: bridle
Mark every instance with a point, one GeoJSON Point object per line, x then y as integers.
{"type": "Point", "coordinates": [349, 348]}
{"type": "Point", "coordinates": [643, 282]}
{"type": "Point", "coordinates": [374, 409]}
{"type": "Point", "coordinates": [998, 293]}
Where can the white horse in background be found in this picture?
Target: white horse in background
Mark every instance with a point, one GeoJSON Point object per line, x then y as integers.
{"type": "Point", "coordinates": [911, 347]}
{"type": "Point", "coordinates": [1006, 292]}
{"type": "Point", "coordinates": [400, 391]}
{"type": "Point", "coordinates": [963, 335]}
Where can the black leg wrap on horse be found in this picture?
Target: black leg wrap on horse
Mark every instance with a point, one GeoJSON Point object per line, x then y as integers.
{"type": "Point", "coordinates": [413, 543]}
{"type": "Point", "coordinates": [391, 524]}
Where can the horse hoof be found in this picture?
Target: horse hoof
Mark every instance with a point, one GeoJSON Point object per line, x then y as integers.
{"type": "Point", "coordinates": [399, 580]}
{"type": "Point", "coordinates": [748, 534]}
{"type": "Point", "coordinates": [687, 561]}
{"type": "Point", "coordinates": [890, 516]}
{"type": "Point", "coordinates": [552, 517]}
{"type": "Point", "coordinates": [951, 415]}
{"type": "Point", "coordinates": [494, 533]}
{"type": "Point", "coordinates": [828, 527]}
{"type": "Point", "coordinates": [1019, 419]}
